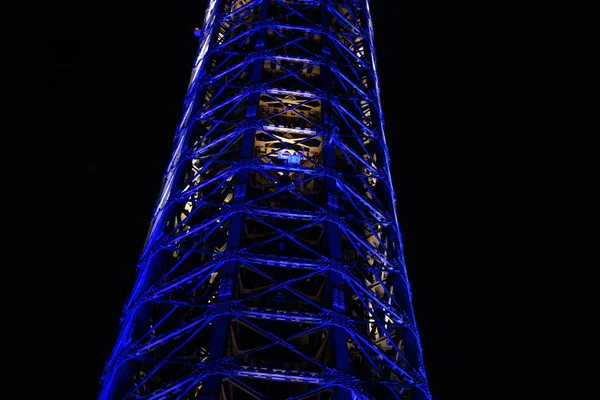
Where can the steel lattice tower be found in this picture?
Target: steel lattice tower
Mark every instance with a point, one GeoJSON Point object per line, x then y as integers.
{"type": "Point", "coordinates": [273, 266]}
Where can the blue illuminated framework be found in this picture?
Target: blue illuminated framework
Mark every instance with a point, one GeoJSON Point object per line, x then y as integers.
{"type": "Point", "coordinates": [273, 266]}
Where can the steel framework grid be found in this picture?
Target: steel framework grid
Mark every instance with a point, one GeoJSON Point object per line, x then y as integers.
{"type": "Point", "coordinates": [273, 265]}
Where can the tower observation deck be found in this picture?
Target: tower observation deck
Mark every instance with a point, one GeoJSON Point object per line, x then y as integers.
{"type": "Point", "coordinates": [273, 265]}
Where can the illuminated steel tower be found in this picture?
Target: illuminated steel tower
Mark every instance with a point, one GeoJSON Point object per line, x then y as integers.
{"type": "Point", "coordinates": [273, 266]}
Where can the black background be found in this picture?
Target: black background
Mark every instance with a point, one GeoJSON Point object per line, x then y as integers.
{"type": "Point", "coordinates": [493, 179]}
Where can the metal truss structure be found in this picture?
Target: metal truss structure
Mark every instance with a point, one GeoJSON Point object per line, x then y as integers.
{"type": "Point", "coordinates": [273, 266]}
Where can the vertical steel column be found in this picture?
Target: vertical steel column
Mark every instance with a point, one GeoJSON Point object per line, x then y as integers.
{"type": "Point", "coordinates": [399, 278]}
{"type": "Point", "coordinates": [228, 284]}
{"type": "Point", "coordinates": [338, 341]}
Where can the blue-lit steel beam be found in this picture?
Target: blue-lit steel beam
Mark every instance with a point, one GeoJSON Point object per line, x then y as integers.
{"type": "Point", "coordinates": [220, 333]}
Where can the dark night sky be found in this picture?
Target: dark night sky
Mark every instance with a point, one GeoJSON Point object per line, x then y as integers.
{"type": "Point", "coordinates": [493, 193]}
